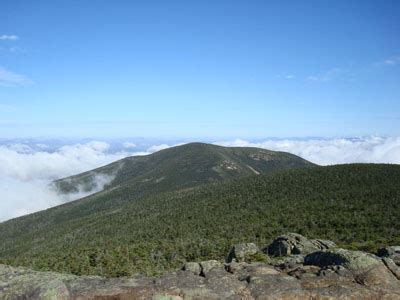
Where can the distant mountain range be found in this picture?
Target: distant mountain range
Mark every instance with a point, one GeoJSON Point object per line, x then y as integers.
{"type": "Point", "coordinates": [192, 202]}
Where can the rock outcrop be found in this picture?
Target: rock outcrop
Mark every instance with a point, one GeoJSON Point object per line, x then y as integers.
{"type": "Point", "coordinates": [293, 243]}
{"type": "Point", "coordinates": [392, 252]}
{"type": "Point", "coordinates": [241, 252]}
{"type": "Point", "coordinates": [309, 270]}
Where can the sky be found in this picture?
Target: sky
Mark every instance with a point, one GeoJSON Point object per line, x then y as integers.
{"type": "Point", "coordinates": [223, 70]}
{"type": "Point", "coordinates": [85, 83]}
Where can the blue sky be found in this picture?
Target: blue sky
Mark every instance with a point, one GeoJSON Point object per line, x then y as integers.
{"type": "Point", "coordinates": [215, 69]}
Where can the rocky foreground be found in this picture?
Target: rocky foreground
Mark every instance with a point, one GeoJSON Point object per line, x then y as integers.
{"type": "Point", "coordinates": [291, 267]}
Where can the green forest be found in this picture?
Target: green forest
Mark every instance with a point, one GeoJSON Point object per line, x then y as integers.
{"type": "Point", "coordinates": [119, 234]}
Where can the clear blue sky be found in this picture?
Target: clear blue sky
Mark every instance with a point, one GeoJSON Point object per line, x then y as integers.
{"type": "Point", "coordinates": [247, 69]}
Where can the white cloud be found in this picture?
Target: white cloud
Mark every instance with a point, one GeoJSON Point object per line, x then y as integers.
{"type": "Point", "coordinates": [5, 37]}
{"type": "Point", "coordinates": [160, 147]}
{"type": "Point", "coordinates": [25, 174]}
{"type": "Point", "coordinates": [287, 76]}
{"type": "Point", "coordinates": [26, 170]}
{"type": "Point", "coordinates": [392, 61]}
{"type": "Point", "coordinates": [129, 145]}
{"type": "Point", "coordinates": [332, 74]}
{"type": "Point", "coordinates": [334, 151]}
{"type": "Point", "coordinates": [156, 148]}
{"type": "Point", "coordinates": [9, 78]}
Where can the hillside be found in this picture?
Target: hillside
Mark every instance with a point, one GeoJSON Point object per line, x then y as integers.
{"type": "Point", "coordinates": [357, 206]}
{"type": "Point", "coordinates": [184, 166]}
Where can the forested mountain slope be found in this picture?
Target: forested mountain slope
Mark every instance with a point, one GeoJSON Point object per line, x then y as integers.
{"type": "Point", "coordinates": [356, 205]}
{"type": "Point", "coordinates": [185, 166]}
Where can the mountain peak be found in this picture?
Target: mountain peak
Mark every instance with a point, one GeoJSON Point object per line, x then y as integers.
{"type": "Point", "coordinates": [185, 166]}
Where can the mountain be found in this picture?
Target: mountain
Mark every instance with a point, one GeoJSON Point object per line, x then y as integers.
{"type": "Point", "coordinates": [182, 167]}
{"type": "Point", "coordinates": [116, 233]}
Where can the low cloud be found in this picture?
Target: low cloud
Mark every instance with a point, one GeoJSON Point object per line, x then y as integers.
{"type": "Point", "coordinates": [27, 169]}
{"type": "Point", "coordinates": [129, 145]}
{"type": "Point", "coordinates": [26, 174]}
{"type": "Point", "coordinates": [333, 151]}
{"type": "Point", "coordinates": [97, 184]}
{"type": "Point", "coordinates": [156, 148]}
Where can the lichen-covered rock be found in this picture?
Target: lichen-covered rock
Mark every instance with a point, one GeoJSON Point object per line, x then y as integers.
{"type": "Point", "coordinates": [389, 251]}
{"type": "Point", "coordinates": [393, 252]}
{"type": "Point", "coordinates": [208, 265]}
{"type": "Point", "coordinates": [287, 262]}
{"type": "Point", "coordinates": [17, 283]}
{"type": "Point", "coordinates": [293, 243]}
{"type": "Point", "coordinates": [390, 264]}
{"type": "Point", "coordinates": [366, 268]}
{"type": "Point", "coordinates": [272, 286]}
{"type": "Point", "coordinates": [193, 267]}
{"type": "Point", "coordinates": [241, 252]}
{"type": "Point", "coordinates": [327, 274]}
{"type": "Point", "coordinates": [352, 260]}
{"type": "Point", "coordinates": [226, 284]}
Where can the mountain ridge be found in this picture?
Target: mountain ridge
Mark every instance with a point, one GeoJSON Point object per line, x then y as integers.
{"type": "Point", "coordinates": [184, 166]}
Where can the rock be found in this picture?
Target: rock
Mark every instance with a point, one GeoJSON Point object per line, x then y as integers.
{"type": "Point", "coordinates": [161, 296]}
{"type": "Point", "coordinates": [393, 252]}
{"type": "Point", "coordinates": [240, 252]}
{"type": "Point", "coordinates": [352, 260]}
{"type": "Point", "coordinates": [324, 244]}
{"type": "Point", "coordinates": [324, 274]}
{"type": "Point", "coordinates": [208, 265]}
{"type": "Point", "coordinates": [19, 283]}
{"type": "Point", "coordinates": [226, 284]}
{"type": "Point", "coordinates": [193, 267]}
{"type": "Point", "coordinates": [396, 259]}
{"type": "Point", "coordinates": [276, 287]}
{"type": "Point", "coordinates": [304, 271]}
{"type": "Point", "coordinates": [366, 268]}
{"type": "Point", "coordinates": [243, 271]}
{"type": "Point", "coordinates": [235, 267]}
{"type": "Point", "coordinates": [389, 251]}
{"type": "Point", "coordinates": [378, 278]}
{"type": "Point", "coordinates": [389, 263]}
{"type": "Point", "coordinates": [288, 262]}
{"type": "Point", "coordinates": [293, 243]}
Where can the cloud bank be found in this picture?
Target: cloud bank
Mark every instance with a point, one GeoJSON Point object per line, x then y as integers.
{"type": "Point", "coordinates": [25, 174]}
{"type": "Point", "coordinates": [333, 151]}
{"type": "Point", "coordinates": [27, 169]}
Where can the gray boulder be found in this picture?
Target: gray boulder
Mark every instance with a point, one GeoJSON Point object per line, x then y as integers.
{"type": "Point", "coordinates": [352, 260]}
{"type": "Point", "coordinates": [208, 265]}
{"type": "Point", "coordinates": [293, 243]}
{"type": "Point", "coordinates": [193, 267]}
{"type": "Point", "coordinates": [389, 251]}
{"type": "Point", "coordinates": [367, 269]}
{"type": "Point", "coordinates": [390, 264]}
{"type": "Point", "coordinates": [240, 252]}
{"type": "Point", "coordinates": [393, 252]}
